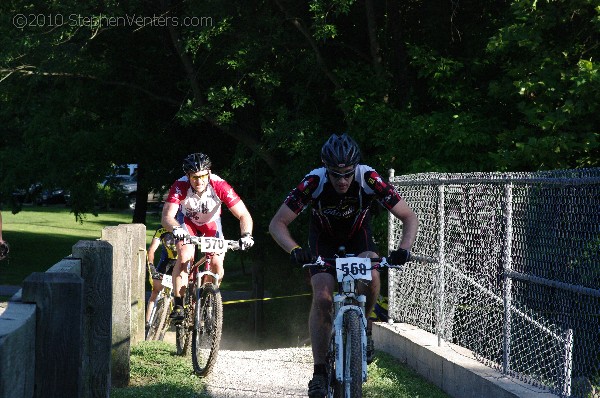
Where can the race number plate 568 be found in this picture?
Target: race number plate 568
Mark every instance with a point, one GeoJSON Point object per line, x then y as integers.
{"type": "Point", "coordinates": [212, 245]}
{"type": "Point", "coordinates": [353, 267]}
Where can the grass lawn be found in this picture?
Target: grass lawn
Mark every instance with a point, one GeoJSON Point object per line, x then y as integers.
{"type": "Point", "coordinates": [40, 236]}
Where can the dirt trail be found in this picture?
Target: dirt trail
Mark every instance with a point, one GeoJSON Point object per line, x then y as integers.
{"type": "Point", "coordinates": [280, 372]}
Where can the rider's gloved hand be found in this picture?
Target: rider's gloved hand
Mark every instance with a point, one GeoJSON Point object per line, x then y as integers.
{"type": "Point", "coordinates": [246, 241]}
{"type": "Point", "coordinates": [153, 272]}
{"type": "Point", "coordinates": [4, 249]}
{"type": "Point", "coordinates": [300, 256]}
{"type": "Point", "coordinates": [399, 257]}
{"type": "Point", "coordinates": [179, 233]}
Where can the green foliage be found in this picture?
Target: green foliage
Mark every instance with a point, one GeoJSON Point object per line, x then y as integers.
{"type": "Point", "coordinates": [422, 87]}
{"type": "Point", "coordinates": [548, 53]}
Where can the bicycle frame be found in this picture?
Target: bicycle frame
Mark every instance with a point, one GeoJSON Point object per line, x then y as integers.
{"type": "Point", "coordinates": [203, 319]}
{"type": "Point", "coordinates": [342, 354]}
{"type": "Point", "coordinates": [343, 301]}
{"type": "Point", "coordinates": [158, 318]}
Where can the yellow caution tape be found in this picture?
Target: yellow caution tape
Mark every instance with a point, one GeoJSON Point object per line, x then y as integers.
{"type": "Point", "coordinates": [264, 299]}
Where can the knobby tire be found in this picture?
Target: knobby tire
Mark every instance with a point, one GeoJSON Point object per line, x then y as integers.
{"type": "Point", "coordinates": [183, 330]}
{"type": "Point", "coordinates": [165, 322]}
{"type": "Point", "coordinates": [206, 336]}
{"type": "Point", "coordinates": [351, 386]}
{"type": "Point", "coordinates": [158, 318]}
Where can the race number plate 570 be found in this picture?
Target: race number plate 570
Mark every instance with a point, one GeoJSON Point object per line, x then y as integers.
{"type": "Point", "coordinates": [353, 267]}
{"type": "Point", "coordinates": [212, 245]}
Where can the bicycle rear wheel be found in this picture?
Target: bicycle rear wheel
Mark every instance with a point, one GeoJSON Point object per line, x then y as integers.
{"type": "Point", "coordinates": [183, 330]}
{"type": "Point", "coordinates": [158, 317]}
{"type": "Point", "coordinates": [208, 325]}
{"type": "Point", "coordinates": [351, 385]}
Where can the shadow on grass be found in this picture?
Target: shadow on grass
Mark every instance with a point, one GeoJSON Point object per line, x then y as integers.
{"type": "Point", "coordinates": [31, 252]}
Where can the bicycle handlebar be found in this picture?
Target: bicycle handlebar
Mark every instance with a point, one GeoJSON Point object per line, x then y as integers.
{"type": "Point", "coordinates": [381, 261]}
{"type": "Point", "coordinates": [197, 240]}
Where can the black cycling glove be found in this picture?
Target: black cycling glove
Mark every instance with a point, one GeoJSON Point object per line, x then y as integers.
{"type": "Point", "coordinates": [399, 257]}
{"type": "Point", "coordinates": [300, 256]}
{"type": "Point", "coordinates": [4, 249]}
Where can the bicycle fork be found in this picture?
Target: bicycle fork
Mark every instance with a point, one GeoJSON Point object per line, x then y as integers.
{"type": "Point", "coordinates": [199, 287]}
{"type": "Point", "coordinates": [338, 323]}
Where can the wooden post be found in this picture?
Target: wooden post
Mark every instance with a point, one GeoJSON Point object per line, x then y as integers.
{"type": "Point", "coordinates": [97, 273]}
{"type": "Point", "coordinates": [59, 329]}
{"type": "Point", "coordinates": [121, 301]}
{"type": "Point", "coordinates": [17, 349]}
{"type": "Point", "coordinates": [136, 253]}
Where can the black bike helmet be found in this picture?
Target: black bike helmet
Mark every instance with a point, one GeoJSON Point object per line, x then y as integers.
{"type": "Point", "coordinates": [196, 162]}
{"type": "Point", "coordinates": [169, 241]}
{"type": "Point", "coordinates": [340, 151]}
{"type": "Point", "coordinates": [4, 249]}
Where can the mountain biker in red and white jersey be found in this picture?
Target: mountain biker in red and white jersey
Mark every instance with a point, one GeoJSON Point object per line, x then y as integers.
{"type": "Point", "coordinates": [340, 194]}
{"type": "Point", "coordinates": [198, 196]}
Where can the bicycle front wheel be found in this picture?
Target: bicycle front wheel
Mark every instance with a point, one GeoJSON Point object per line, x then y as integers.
{"type": "Point", "coordinates": [208, 325]}
{"type": "Point", "coordinates": [165, 322]}
{"type": "Point", "coordinates": [351, 385]}
{"type": "Point", "coordinates": [183, 330]}
{"type": "Point", "coordinates": [157, 317]}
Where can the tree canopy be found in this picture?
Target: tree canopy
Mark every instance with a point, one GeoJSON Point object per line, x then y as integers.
{"type": "Point", "coordinates": [422, 86]}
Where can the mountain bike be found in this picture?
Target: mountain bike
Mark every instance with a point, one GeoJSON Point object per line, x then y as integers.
{"type": "Point", "coordinates": [159, 322]}
{"type": "Point", "coordinates": [346, 358]}
{"type": "Point", "coordinates": [203, 322]}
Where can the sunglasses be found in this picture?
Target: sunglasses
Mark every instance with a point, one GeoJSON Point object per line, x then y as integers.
{"type": "Point", "coordinates": [200, 177]}
{"type": "Point", "coordinates": [338, 176]}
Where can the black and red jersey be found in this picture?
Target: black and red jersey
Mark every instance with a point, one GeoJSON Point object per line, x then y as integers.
{"type": "Point", "coordinates": [341, 215]}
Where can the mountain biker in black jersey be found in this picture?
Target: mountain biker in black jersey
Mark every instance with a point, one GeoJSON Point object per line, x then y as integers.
{"type": "Point", "coordinates": [340, 193]}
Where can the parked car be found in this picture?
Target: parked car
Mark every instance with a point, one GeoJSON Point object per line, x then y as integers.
{"type": "Point", "coordinates": [41, 195]}
{"type": "Point", "coordinates": [127, 184]}
{"type": "Point", "coordinates": [53, 196]}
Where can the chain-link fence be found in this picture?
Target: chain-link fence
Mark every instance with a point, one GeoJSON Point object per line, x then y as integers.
{"type": "Point", "coordinates": [516, 277]}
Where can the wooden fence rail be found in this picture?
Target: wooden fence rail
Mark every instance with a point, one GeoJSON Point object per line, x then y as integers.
{"type": "Point", "coordinates": [68, 331]}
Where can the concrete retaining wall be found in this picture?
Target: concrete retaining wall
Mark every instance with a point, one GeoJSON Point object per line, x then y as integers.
{"type": "Point", "coordinates": [450, 367]}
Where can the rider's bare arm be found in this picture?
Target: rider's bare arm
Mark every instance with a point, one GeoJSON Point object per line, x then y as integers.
{"type": "Point", "coordinates": [151, 249]}
{"type": "Point", "coordinates": [240, 211]}
{"type": "Point", "coordinates": [169, 213]}
{"type": "Point", "coordinates": [278, 228]}
{"type": "Point", "coordinates": [410, 223]}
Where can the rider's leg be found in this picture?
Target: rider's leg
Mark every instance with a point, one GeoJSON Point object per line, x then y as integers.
{"type": "Point", "coordinates": [320, 315]}
{"type": "Point", "coordinates": [371, 291]}
{"type": "Point", "coordinates": [156, 288]}
{"type": "Point", "coordinates": [216, 265]}
{"type": "Point", "coordinates": [320, 322]}
{"type": "Point", "coordinates": [185, 254]}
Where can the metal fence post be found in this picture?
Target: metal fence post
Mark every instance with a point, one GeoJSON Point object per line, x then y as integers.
{"type": "Point", "coordinates": [568, 362]}
{"type": "Point", "coordinates": [441, 266]}
{"type": "Point", "coordinates": [507, 292]}
{"type": "Point", "coordinates": [391, 233]}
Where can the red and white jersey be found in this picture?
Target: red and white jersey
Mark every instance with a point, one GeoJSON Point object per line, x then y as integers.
{"type": "Point", "coordinates": [204, 208]}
